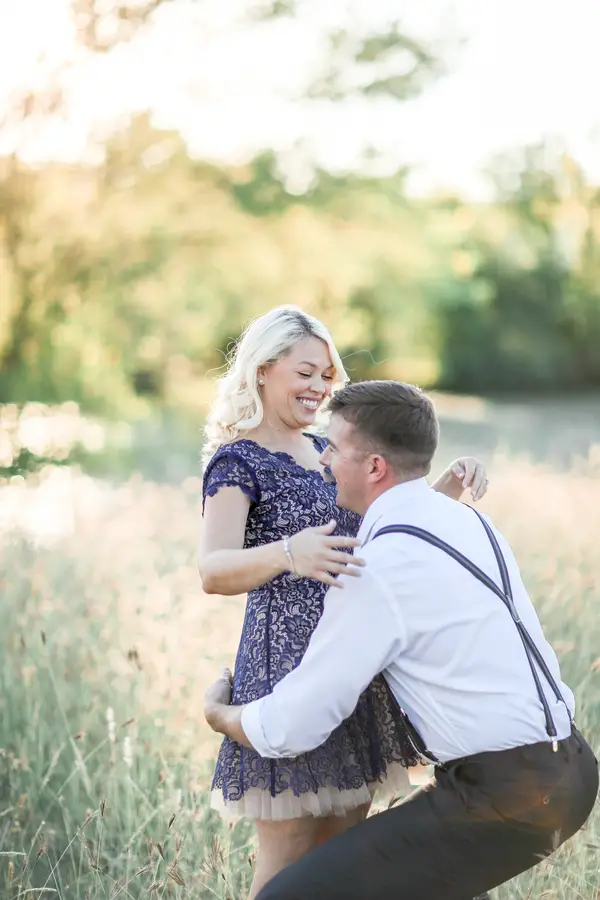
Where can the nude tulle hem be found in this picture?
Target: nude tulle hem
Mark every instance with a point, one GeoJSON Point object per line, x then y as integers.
{"type": "Point", "coordinates": [326, 801]}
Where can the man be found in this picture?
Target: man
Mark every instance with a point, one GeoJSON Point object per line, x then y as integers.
{"type": "Point", "coordinates": [463, 653]}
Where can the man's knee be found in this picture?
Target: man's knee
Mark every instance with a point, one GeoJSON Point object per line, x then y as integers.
{"type": "Point", "coordinates": [295, 882]}
{"type": "Point", "coordinates": [278, 889]}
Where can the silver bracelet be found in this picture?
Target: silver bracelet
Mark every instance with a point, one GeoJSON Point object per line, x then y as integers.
{"type": "Point", "coordinates": [288, 552]}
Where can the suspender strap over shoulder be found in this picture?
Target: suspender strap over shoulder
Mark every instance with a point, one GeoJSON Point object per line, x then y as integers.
{"type": "Point", "coordinates": [505, 594]}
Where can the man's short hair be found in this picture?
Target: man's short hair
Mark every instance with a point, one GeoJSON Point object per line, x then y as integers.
{"type": "Point", "coordinates": [392, 418]}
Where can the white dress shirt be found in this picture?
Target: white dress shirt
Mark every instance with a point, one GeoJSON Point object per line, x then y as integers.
{"type": "Point", "coordinates": [446, 644]}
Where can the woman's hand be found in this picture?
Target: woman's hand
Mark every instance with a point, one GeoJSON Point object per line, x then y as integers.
{"type": "Point", "coordinates": [466, 472]}
{"type": "Point", "coordinates": [316, 554]}
{"type": "Point", "coordinates": [470, 473]}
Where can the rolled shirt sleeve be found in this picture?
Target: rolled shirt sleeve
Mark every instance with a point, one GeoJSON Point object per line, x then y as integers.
{"type": "Point", "coordinates": [359, 633]}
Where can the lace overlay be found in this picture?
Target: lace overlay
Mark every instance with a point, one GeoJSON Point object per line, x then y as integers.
{"type": "Point", "coordinates": [368, 748]}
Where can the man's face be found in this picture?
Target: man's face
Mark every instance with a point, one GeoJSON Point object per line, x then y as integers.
{"type": "Point", "coordinates": [348, 460]}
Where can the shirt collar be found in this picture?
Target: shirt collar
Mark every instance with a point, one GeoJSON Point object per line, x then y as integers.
{"type": "Point", "coordinates": [392, 504]}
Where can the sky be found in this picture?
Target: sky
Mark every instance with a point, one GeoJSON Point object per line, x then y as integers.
{"type": "Point", "coordinates": [518, 72]}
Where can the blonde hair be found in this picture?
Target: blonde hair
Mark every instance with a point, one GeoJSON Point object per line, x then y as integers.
{"type": "Point", "coordinates": [237, 407]}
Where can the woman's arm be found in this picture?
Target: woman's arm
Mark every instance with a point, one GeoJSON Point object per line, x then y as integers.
{"type": "Point", "coordinates": [463, 473]}
{"type": "Point", "coordinates": [226, 567]}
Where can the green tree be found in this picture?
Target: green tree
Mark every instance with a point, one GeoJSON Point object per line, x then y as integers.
{"type": "Point", "coordinates": [527, 316]}
{"type": "Point", "coordinates": [128, 278]}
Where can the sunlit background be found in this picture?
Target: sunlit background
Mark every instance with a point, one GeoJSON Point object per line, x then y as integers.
{"type": "Point", "coordinates": [425, 178]}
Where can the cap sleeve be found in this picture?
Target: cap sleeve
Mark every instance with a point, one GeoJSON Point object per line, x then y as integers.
{"type": "Point", "coordinates": [228, 469]}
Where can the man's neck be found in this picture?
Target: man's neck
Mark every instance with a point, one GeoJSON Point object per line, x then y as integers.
{"type": "Point", "coordinates": [384, 486]}
{"type": "Point", "coordinates": [398, 496]}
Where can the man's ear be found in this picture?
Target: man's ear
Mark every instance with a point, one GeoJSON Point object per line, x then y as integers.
{"type": "Point", "coordinates": [378, 467]}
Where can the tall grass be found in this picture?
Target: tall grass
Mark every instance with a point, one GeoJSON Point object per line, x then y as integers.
{"type": "Point", "coordinates": [107, 643]}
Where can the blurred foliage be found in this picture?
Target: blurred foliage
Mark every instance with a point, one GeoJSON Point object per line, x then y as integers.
{"type": "Point", "coordinates": [131, 279]}
{"type": "Point", "coordinates": [102, 25]}
{"type": "Point", "coordinates": [123, 283]}
{"type": "Point", "coordinates": [522, 311]}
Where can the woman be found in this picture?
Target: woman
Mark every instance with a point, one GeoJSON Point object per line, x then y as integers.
{"type": "Point", "coordinates": [272, 529]}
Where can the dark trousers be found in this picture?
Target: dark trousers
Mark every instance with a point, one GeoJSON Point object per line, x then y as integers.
{"type": "Point", "coordinates": [481, 821]}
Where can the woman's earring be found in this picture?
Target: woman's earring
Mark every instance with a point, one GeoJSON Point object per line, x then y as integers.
{"type": "Point", "coordinates": [261, 381]}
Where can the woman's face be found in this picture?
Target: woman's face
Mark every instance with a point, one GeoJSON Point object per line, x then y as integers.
{"type": "Point", "coordinates": [298, 384]}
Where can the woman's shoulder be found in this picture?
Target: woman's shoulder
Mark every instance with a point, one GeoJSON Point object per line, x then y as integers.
{"type": "Point", "coordinates": [253, 453]}
{"type": "Point", "coordinates": [241, 448]}
{"type": "Point", "coordinates": [237, 463]}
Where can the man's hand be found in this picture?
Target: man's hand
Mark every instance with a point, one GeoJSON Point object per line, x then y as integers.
{"type": "Point", "coordinates": [220, 690]}
{"type": "Point", "coordinates": [218, 712]}
{"type": "Point", "coordinates": [217, 696]}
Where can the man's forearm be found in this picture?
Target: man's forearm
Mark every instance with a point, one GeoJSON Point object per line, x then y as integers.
{"type": "Point", "coordinates": [312, 700]}
{"type": "Point", "coordinates": [227, 720]}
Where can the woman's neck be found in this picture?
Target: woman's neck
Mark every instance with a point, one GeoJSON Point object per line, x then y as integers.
{"type": "Point", "coordinates": [277, 437]}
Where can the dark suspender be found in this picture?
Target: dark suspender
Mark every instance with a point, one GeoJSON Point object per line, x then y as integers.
{"type": "Point", "coordinates": [506, 595]}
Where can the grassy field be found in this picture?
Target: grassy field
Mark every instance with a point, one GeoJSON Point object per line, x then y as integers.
{"type": "Point", "coordinates": [107, 643]}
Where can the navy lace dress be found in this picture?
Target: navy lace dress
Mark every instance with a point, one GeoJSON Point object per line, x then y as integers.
{"type": "Point", "coordinates": [368, 747]}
